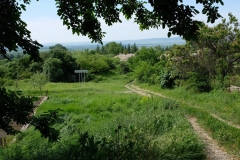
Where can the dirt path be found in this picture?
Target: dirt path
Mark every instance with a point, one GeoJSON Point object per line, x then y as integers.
{"type": "Point", "coordinates": [146, 93]}
{"type": "Point", "coordinates": [37, 104]}
{"type": "Point", "coordinates": [212, 150]}
{"type": "Point", "coordinates": [229, 123]}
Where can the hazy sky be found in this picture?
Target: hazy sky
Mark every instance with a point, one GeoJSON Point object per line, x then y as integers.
{"type": "Point", "coordinates": [46, 27]}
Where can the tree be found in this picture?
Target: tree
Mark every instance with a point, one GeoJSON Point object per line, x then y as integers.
{"type": "Point", "coordinates": [97, 49]}
{"type": "Point", "coordinates": [220, 45]}
{"type": "Point", "coordinates": [82, 18]}
{"type": "Point", "coordinates": [68, 64]}
{"type": "Point", "coordinates": [113, 48]}
{"type": "Point", "coordinates": [129, 48]}
{"type": "Point", "coordinates": [190, 66]}
{"type": "Point", "coordinates": [13, 31]}
{"type": "Point", "coordinates": [58, 46]}
{"type": "Point", "coordinates": [39, 80]}
{"type": "Point", "coordinates": [52, 68]}
{"type": "Point", "coordinates": [133, 48]}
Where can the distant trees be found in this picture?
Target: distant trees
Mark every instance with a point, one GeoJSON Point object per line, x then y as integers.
{"type": "Point", "coordinates": [116, 48]}
{"type": "Point", "coordinates": [96, 64]}
{"type": "Point", "coordinates": [59, 64]}
{"type": "Point", "coordinates": [113, 48]}
{"type": "Point", "coordinates": [147, 65]}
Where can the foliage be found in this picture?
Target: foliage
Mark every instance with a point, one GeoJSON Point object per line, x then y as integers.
{"type": "Point", "coordinates": [14, 31]}
{"type": "Point", "coordinates": [200, 81]}
{"type": "Point", "coordinates": [14, 108]}
{"type": "Point", "coordinates": [95, 63]}
{"type": "Point", "coordinates": [167, 79]}
{"type": "Point", "coordinates": [113, 48]}
{"type": "Point", "coordinates": [39, 80]}
{"type": "Point", "coordinates": [191, 67]}
{"type": "Point", "coordinates": [43, 124]}
{"type": "Point", "coordinates": [68, 63]}
{"type": "Point", "coordinates": [19, 109]}
{"type": "Point", "coordinates": [148, 55]}
{"type": "Point", "coordinates": [220, 47]}
{"type": "Point", "coordinates": [123, 67]}
{"type": "Point", "coordinates": [83, 16]}
{"type": "Point", "coordinates": [149, 66]}
{"type": "Point", "coordinates": [17, 68]}
{"type": "Point", "coordinates": [52, 68]}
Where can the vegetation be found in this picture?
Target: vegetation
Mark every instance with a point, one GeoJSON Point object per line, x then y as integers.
{"type": "Point", "coordinates": [82, 18]}
{"type": "Point", "coordinates": [105, 122]}
{"type": "Point", "coordinates": [210, 109]}
{"type": "Point", "coordinates": [100, 119]}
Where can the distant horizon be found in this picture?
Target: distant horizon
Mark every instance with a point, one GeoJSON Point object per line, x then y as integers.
{"type": "Point", "coordinates": [118, 41]}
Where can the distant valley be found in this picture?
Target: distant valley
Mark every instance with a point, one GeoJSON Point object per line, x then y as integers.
{"type": "Point", "coordinates": [139, 42]}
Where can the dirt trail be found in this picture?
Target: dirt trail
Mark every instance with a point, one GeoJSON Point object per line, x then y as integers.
{"type": "Point", "coordinates": [229, 123]}
{"type": "Point", "coordinates": [37, 103]}
{"type": "Point", "coordinates": [145, 93]}
{"type": "Point", "coordinates": [212, 150]}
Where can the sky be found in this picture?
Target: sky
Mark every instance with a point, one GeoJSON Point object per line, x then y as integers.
{"type": "Point", "coordinates": [46, 27]}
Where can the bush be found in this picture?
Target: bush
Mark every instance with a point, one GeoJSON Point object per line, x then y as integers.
{"type": "Point", "coordinates": [199, 82]}
{"type": "Point", "coordinates": [167, 80]}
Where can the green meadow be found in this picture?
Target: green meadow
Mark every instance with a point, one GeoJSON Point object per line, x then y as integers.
{"type": "Point", "coordinates": [106, 121]}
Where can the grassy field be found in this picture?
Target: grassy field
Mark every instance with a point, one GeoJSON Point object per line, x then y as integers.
{"type": "Point", "coordinates": [105, 121]}
{"type": "Point", "coordinates": [224, 105]}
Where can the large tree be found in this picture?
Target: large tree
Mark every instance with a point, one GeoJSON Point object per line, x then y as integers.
{"type": "Point", "coordinates": [219, 47]}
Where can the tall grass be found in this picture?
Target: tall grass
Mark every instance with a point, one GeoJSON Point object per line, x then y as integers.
{"type": "Point", "coordinates": [103, 121]}
{"type": "Point", "coordinates": [222, 103]}
{"type": "Point", "coordinates": [202, 105]}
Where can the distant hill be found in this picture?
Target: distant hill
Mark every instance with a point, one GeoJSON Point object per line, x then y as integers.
{"type": "Point", "coordinates": [139, 42]}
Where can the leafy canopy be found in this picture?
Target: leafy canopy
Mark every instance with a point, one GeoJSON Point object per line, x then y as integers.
{"type": "Point", "coordinates": [83, 17]}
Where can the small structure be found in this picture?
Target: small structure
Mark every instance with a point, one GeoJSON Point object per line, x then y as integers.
{"type": "Point", "coordinates": [82, 74]}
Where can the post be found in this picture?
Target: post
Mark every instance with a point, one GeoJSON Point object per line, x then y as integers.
{"type": "Point", "coordinates": [81, 74]}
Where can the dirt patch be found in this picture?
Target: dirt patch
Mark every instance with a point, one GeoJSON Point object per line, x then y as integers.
{"type": "Point", "coordinates": [124, 57]}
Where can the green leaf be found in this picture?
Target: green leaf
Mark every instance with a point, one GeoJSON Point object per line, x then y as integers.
{"type": "Point", "coordinates": [169, 34]}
